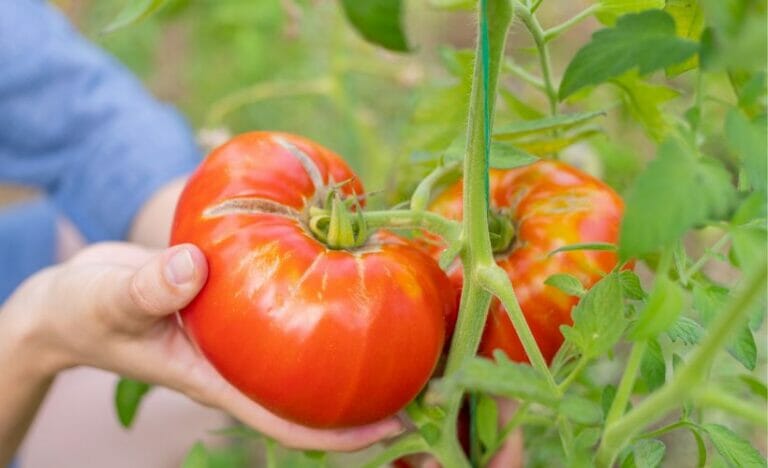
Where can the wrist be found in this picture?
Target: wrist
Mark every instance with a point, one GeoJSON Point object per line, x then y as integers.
{"type": "Point", "coordinates": [26, 344]}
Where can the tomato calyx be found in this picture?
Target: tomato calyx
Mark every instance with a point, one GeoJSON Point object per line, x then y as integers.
{"type": "Point", "coordinates": [501, 231]}
{"type": "Point", "coordinates": [336, 224]}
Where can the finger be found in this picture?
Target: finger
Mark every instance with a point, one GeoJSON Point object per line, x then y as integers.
{"type": "Point", "coordinates": [163, 285]}
{"type": "Point", "coordinates": [113, 253]}
{"type": "Point", "coordinates": [300, 437]}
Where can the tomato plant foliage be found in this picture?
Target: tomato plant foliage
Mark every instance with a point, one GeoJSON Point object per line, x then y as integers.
{"type": "Point", "coordinates": [661, 342]}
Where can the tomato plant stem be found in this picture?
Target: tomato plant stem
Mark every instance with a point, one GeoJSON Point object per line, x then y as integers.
{"type": "Point", "coordinates": [495, 280]}
{"type": "Point", "coordinates": [580, 365]}
{"type": "Point", "coordinates": [533, 26]}
{"type": "Point", "coordinates": [718, 398]}
{"type": "Point", "coordinates": [443, 173]}
{"type": "Point", "coordinates": [413, 219]}
{"type": "Point", "coordinates": [555, 31]}
{"type": "Point", "coordinates": [627, 383]}
{"type": "Point", "coordinates": [689, 376]}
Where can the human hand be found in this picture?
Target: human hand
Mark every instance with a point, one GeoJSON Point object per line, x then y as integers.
{"type": "Point", "coordinates": [112, 307]}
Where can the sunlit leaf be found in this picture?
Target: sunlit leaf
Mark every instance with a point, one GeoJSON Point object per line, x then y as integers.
{"type": "Point", "coordinates": [644, 101]}
{"type": "Point", "coordinates": [630, 285]}
{"type": "Point", "coordinates": [643, 41]}
{"type": "Point", "coordinates": [611, 10]}
{"type": "Point", "coordinates": [689, 24]}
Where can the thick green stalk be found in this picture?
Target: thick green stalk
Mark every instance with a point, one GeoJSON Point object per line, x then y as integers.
{"type": "Point", "coordinates": [477, 253]}
{"type": "Point", "coordinates": [495, 19]}
{"type": "Point", "coordinates": [689, 376]}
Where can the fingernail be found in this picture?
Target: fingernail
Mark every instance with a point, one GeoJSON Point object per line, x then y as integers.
{"type": "Point", "coordinates": [180, 268]}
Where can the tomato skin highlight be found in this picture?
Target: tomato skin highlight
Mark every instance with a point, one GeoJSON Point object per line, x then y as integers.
{"type": "Point", "coordinates": [326, 338]}
{"type": "Point", "coordinates": [551, 205]}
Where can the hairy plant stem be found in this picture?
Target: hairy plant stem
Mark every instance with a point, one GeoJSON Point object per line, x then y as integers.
{"type": "Point", "coordinates": [718, 398]}
{"type": "Point", "coordinates": [692, 374]}
{"type": "Point", "coordinates": [444, 172]}
{"type": "Point", "coordinates": [413, 219]}
{"type": "Point", "coordinates": [495, 19]}
{"type": "Point", "coordinates": [533, 26]}
{"type": "Point", "coordinates": [555, 31]}
{"type": "Point", "coordinates": [627, 383]}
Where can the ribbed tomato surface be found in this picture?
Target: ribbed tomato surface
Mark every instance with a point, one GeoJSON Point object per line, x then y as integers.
{"type": "Point", "coordinates": [550, 205]}
{"type": "Point", "coordinates": [325, 338]}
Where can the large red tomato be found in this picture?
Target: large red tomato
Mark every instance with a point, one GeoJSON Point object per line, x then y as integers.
{"type": "Point", "coordinates": [550, 205]}
{"type": "Point", "coordinates": [323, 337]}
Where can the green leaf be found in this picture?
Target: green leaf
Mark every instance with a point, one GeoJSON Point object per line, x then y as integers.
{"type": "Point", "coordinates": [506, 156]}
{"type": "Point", "coordinates": [134, 12]}
{"type": "Point", "coordinates": [630, 285]}
{"type": "Point", "coordinates": [543, 145]}
{"type": "Point", "coordinates": [602, 246]}
{"type": "Point", "coordinates": [644, 101]}
{"type": "Point", "coordinates": [611, 10]}
{"type": "Point", "coordinates": [567, 283]}
{"type": "Point", "coordinates": [128, 396]}
{"type": "Point", "coordinates": [662, 309]}
{"type": "Point", "coordinates": [711, 301]}
{"type": "Point", "coordinates": [378, 21]}
{"type": "Point", "coordinates": [648, 453]}
{"type": "Point", "coordinates": [686, 330]}
{"type": "Point", "coordinates": [660, 208]}
{"type": "Point", "coordinates": [503, 155]}
{"type": "Point", "coordinates": [544, 125]}
{"type": "Point", "coordinates": [197, 457]}
{"type": "Point", "coordinates": [755, 386]}
{"type": "Point", "coordinates": [736, 451]}
{"type": "Point", "coordinates": [643, 41]}
{"type": "Point", "coordinates": [487, 421]}
{"type": "Point", "coordinates": [581, 410]}
{"type": "Point", "coordinates": [689, 24]}
{"type": "Point", "coordinates": [653, 368]}
{"type": "Point", "coordinates": [598, 319]}
{"type": "Point", "coordinates": [518, 107]}
{"type": "Point", "coordinates": [748, 142]}
{"type": "Point", "coordinates": [503, 378]}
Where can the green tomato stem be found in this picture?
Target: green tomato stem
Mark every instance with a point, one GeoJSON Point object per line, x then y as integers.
{"type": "Point", "coordinates": [511, 425]}
{"type": "Point", "coordinates": [627, 383]}
{"type": "Point", "coordinates": [715, 397]}
{"type": "Point", "coordinates": [580, 365]}
{"type": "Point", "coordinates": [423, 193]}
{"type": "Point", "coordinates": [413, 219]}
{"type": "Point", "coordinates": [525, 75]}
{"type": "Point", "coordinates": [495, 280]}
{"type": "Point", "coordinates": [692, 374]}
{"type": "Point", "coordinates": [555, 31]}
{"type": "Point", "coordinates": [533, 26]}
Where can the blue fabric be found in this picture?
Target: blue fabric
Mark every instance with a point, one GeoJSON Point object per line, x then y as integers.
{"type": "Point", "coordinates": [76, 124]}
{"type": "Point", "coordinates": [27, 241]}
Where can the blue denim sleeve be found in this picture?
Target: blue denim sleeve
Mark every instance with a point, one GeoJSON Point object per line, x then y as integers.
{"type": "Point", "coordinates": [75, 123]}
{"type": "Point", "coordinates": [27, 242]}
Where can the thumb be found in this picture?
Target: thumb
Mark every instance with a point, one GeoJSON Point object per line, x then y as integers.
{"type": "Point", "coordinates": [164, 284]}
